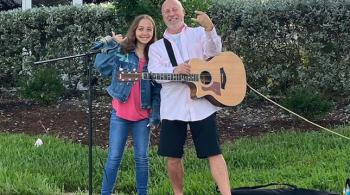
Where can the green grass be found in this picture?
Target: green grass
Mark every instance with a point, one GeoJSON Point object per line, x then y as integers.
{"type": "Point", "coordinates": [317, 160]}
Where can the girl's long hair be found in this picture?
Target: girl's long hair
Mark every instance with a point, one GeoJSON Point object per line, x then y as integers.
{"type": "Point", "coordinates": [130, 42]}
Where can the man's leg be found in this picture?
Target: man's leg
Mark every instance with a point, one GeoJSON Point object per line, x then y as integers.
{"type": "Point", "coordinates": [219, 172]}
{"type": "Point", "coordinates": [172, 139]}
{"type": "Point", "coordinates": [176, 174]}
{"type": "Point", "coordinates": [206, 140]}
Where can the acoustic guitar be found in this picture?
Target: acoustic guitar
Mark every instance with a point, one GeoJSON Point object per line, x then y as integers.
{"type": "Point", "coordinates": [222, 79]}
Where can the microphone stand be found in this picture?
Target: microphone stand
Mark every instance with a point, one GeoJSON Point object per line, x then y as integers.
{"type": "Point", "coordinates": [87, 60]}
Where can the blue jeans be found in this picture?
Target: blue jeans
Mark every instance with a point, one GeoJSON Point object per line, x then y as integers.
{"type": "Point", "coordinates": [118, 135]}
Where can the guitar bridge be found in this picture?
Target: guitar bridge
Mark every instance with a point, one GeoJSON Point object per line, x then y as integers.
{"type": "Point", "coordinates": [222, 78]}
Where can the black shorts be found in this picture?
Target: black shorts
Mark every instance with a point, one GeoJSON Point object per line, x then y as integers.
{"type": "Point", "coordinates": [204, 134]}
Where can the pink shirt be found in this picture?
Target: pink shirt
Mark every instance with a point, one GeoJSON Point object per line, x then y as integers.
{"type": "Point", "coordinates": [131, 109]}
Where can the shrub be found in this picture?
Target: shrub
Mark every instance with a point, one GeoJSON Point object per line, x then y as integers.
{"type": "Point", "coordinates": [51, 32]}
{"type": "Point", "coordinates": [45, 86]}
{"type": "Point", "coordinates": [286, 43]}
{"type": "Point", "coordinates": [307, 102]}
{"type": "Point", "coordinates": [128, 9]}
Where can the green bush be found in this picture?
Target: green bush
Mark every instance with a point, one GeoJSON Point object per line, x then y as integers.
{"type": "Point", "coordinates": [286, 43]}
{"type": "Point", "coordinates": [45, 86]}
{"type": "Point", "coordinates": [128, 9]}
{"type": "Point", "coordinates": [51, 32]}
{"type": "Point", "coordinates": [307, 102]}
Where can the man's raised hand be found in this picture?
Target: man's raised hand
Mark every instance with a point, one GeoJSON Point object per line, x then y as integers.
{"type": "Point", "coordinates": [203, 20]}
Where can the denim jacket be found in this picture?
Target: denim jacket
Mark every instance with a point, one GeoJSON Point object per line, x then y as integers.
{"type": "Point", "coordinates": [110, 61]}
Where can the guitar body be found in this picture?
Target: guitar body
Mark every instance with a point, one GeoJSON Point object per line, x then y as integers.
{"type": "Point", "coordinates": [222, 79]}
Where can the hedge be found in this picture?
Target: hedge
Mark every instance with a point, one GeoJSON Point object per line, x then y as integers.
{"type": "Point", "coordinates": [286, 43]}
{"type": "Point", "coordinates": [51, 32]}
{"type": "Point", "coordinates": [283, 43]}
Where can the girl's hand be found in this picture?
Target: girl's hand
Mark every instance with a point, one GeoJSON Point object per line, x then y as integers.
{"type": "Point", "coordinates": [154, 127]}
{"type": "Point", "coordinates": [118, 37]}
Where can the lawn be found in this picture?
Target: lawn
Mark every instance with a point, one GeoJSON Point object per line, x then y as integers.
{"type": "Point", "coordinates": [316, 160]}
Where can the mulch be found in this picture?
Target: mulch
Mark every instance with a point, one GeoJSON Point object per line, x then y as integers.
{"type": "Point", "coordinates": [69, 120]}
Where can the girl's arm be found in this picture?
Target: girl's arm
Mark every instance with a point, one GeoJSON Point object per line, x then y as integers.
{"type": "Point", "coordinates": [155, 95]}
{"type": "Point", "coordinates": [107, 60]}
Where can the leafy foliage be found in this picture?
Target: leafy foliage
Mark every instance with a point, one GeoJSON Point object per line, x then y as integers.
{"type": "Point", "coordinates": [51, 2]}
{"type": "Point", "coordinates": [287, 43]}
{"type": "Point", "coordinates": [283, 43]}
{"type": "Point", "coordinates": [307, 102]}
{"type": "Point", "coordinates": [128, 9]}
{"type": "Point", "coordinates": [51, 32]}
{"type": "Point", "coordinates": [9, 4]}
{"type": "Point", "coordinates": [45, 86]}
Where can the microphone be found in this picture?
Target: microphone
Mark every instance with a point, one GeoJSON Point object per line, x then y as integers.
{"type": "Point", "coordinates": [102, 42]}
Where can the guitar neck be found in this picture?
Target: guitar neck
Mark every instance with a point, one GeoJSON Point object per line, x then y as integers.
{"type": "Point", "coordinates": [170, 76]}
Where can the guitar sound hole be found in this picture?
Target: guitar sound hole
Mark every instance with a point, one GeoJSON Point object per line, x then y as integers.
{"type": "Point", "coordinates": [205, 77]}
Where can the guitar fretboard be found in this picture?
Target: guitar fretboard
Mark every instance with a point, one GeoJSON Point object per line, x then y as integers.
{"type": "Point", "coordinates": [170, 76]}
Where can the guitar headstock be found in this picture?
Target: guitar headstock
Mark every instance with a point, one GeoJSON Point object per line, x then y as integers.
{"type": "Point", "coordinates": [129, 76]}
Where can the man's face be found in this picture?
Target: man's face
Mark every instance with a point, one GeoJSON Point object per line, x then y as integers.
{"type": "Point", "coordinates": [173, 15]}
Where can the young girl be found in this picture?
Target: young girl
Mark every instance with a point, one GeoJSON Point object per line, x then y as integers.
{"type": "Point", "coordinates": [135, 104]}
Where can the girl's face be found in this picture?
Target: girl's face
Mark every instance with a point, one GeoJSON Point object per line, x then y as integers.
{"type": "Point", "coordinates": [144, 31]}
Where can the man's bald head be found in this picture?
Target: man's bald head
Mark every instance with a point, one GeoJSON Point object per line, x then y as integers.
{"type": "Point", "coordinates": [173, 15]}
{"type": "Point", "coordinates": [171, 2]}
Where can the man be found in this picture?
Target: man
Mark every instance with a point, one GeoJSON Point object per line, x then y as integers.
{"type": "Point", "coordinates": [178, 110]}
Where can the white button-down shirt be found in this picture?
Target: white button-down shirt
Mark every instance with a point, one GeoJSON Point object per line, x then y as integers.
{"type": "Point", "coordinates": [176, 103]}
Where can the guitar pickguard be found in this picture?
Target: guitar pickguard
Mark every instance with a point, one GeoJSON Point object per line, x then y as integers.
{"type": "Point", "coordinates": [215, 87]}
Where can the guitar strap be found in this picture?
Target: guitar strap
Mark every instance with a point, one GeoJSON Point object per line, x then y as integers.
{"type": "Point", "coordinates": [170, 51]}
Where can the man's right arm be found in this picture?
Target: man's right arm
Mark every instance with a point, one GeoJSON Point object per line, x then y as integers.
{"type": "Point", "coordinates": [212, 43]}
